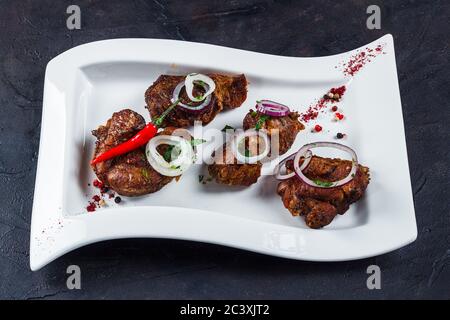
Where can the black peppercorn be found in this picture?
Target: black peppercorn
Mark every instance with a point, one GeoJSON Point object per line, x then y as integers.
{"type": "Point", "coordinates": [117, 199]}
{"type": "Point", "coordinates": [339, 135]}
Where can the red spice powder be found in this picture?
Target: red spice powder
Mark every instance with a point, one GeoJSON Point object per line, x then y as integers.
{"type": "Point", "coordinates": [91, 207]}
{"type": "Point", "coordinates": [350, 68]}
{"type": "Point", "coordinates": [97, 198]}
{"type": "Point", "coordinates": [360, 59]}
{"type": "Point", "coordinates": [312, 111]}
{"type": "Point", "coordinates": [98, 184]}
{"type": "Point", "coordinates": [339, 90]}
{"type": "Point", "coordinates": [322, 104]}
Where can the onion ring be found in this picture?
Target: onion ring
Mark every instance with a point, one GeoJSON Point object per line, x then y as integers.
{"type": "Point", "coordinates": [193, 109]}
{"type": "Point", "coordinates": [173, 168]}
{"type": "Point", "coordinates": [304, 150]}
{"type": "Point", "coordinates": [280, 165]}
{"type": "Point", "coordinates": [200, 79]}
{"type": "Point", "coordinates": [272, 108]}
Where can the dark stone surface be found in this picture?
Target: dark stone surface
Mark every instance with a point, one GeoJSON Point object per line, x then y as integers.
{"type": "Point", "coordinates": [33, 32]}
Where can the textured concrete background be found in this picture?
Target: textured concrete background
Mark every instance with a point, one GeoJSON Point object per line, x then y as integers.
{"type": "Point", "coordinates": [33, 32]}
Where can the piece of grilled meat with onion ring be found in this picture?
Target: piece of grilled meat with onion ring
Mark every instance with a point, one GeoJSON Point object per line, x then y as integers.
{"type": "Point", "coordinates": [287, 127]}
{"type": "Point", "coordinates": [129, 174]}
{"type": "Point", "coordinates": [320, 188]}
{"type": "Point", "coordinates": [229, 93]}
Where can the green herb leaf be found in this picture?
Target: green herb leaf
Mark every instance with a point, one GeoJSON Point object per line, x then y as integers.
{"type": "Point", "coordinates": [227, 127]}
{"type": "Point", "coordinates": [144, 172]}
{"type": "Point", "coordinates": [261, 121]}
{"type": "Point", "coordinates": [158, 121]}
{"type": "Point", "coordinates": [196, 142]}
{"type": "Point", "coordinates": [323, 183]}
{"type": "Point", "coordinates": [254, 114]}
{"type": "Point", "coordinates": [174, 167]}
{"type": "Point", "coordinates": [247, 153]}
{"type": "Point", "coordinates": [168, 154]}
{"type": "Point", "coordinates": [200, 178]}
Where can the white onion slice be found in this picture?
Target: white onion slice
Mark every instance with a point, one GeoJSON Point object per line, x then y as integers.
{"type": "Point", "coordinates": [279, 166]}
{"type": "Point", "coordinates": [240, 137]}
{"type": "Point", "coordinates": [304, 151]}
{"type": "Point", "coordinates": [194, 109]}
{"type": "Point", "coordinates": [173, 168]}
{"type": "Point", "coordinates": [199, 79]}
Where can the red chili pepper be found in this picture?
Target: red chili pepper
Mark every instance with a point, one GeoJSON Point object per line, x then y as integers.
{"type": "Point", "coordinates": [138, 140]}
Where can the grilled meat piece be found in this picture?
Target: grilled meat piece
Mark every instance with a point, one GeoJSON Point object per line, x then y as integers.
{"type": "Point", "coordinates": [288, 127]}
{"type": "Point", "coordinates": [321, 205]}
{"type": "Point", "coordinates": [230, 93]}
{"type": "Point", "coordinates": [129, 174]}
{"type": "Point", "coordinates": [226, 169]}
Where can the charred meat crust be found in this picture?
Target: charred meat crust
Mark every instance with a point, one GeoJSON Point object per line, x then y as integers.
{"type": "Point", "coordinates": [130, 174]}
{"type": "Point", "coordinates": [230, 93]}
{"type": "Point", "coordinates": [226, 170]}
{"type": "Point", "coordinates": [321, 205]}
{"type": "Point", "coordinates": [288, 127]}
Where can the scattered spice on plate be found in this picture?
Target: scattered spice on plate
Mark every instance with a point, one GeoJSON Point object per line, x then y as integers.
{"type": "Point", "coordinates": [340, 135]}
{"type": "Point", "coordinates": [117, 199]}
{"type": "Point", "coordinates": [91, 207]}
{"type": "Point", "coordinates": [104, 190]}
{"type": "Point", "coordinates": [339, 116]}
{"type": "Point", "coordinates": [313, 111]}
{"type": "Point", "coordinates": [357, 61]}
{"type": "Point", "coordinates": [98, 184]}
{"type": "Point", "coordinates": [98, 200]}
{"type": "Point", "coordinates": [333, 95]}
{"type": "Point", "coordinates": [338, 92]}
{"type": "Point", "coordinates": [334, 108]}
{"type": "Point", "coordinates": [317, 128]}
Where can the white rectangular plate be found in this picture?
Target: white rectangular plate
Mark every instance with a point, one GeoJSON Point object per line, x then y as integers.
{"type": "Point", "coordinates": [86, 84]}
